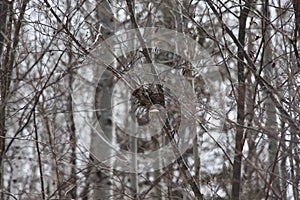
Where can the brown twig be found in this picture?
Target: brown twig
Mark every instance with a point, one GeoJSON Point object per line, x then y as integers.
{"type": "Point", "coordinates": [39, 156]}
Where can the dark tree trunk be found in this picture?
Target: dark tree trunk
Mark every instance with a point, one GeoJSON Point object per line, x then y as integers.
{"type": "Point", "coordinates": [239, 138]}
{"type": "Point", "coordinates": [3, 90]}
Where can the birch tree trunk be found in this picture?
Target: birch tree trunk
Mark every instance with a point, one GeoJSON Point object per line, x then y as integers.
{"type": "Point", "coordinates": [269, 106]}
{"type": "Point", "coordinates": [101, 181]}
{"type": "Point", "coordinates": [10, 28]}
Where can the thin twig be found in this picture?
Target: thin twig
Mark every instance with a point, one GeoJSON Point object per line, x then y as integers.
{"type": "Point", "coordinates": [39, 156]}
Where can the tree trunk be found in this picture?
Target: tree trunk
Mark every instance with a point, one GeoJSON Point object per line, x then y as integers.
{"type": "Point", "coordinates": [6, 68]}
{"type": "Point", "coordinates": [239, 137]}
{"type": "Point", "coordinates": [3, 90]}
{"type": "Point", "coordinates": [271, 126]}
{"type": "Point", "coordinates": [100, 181]}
